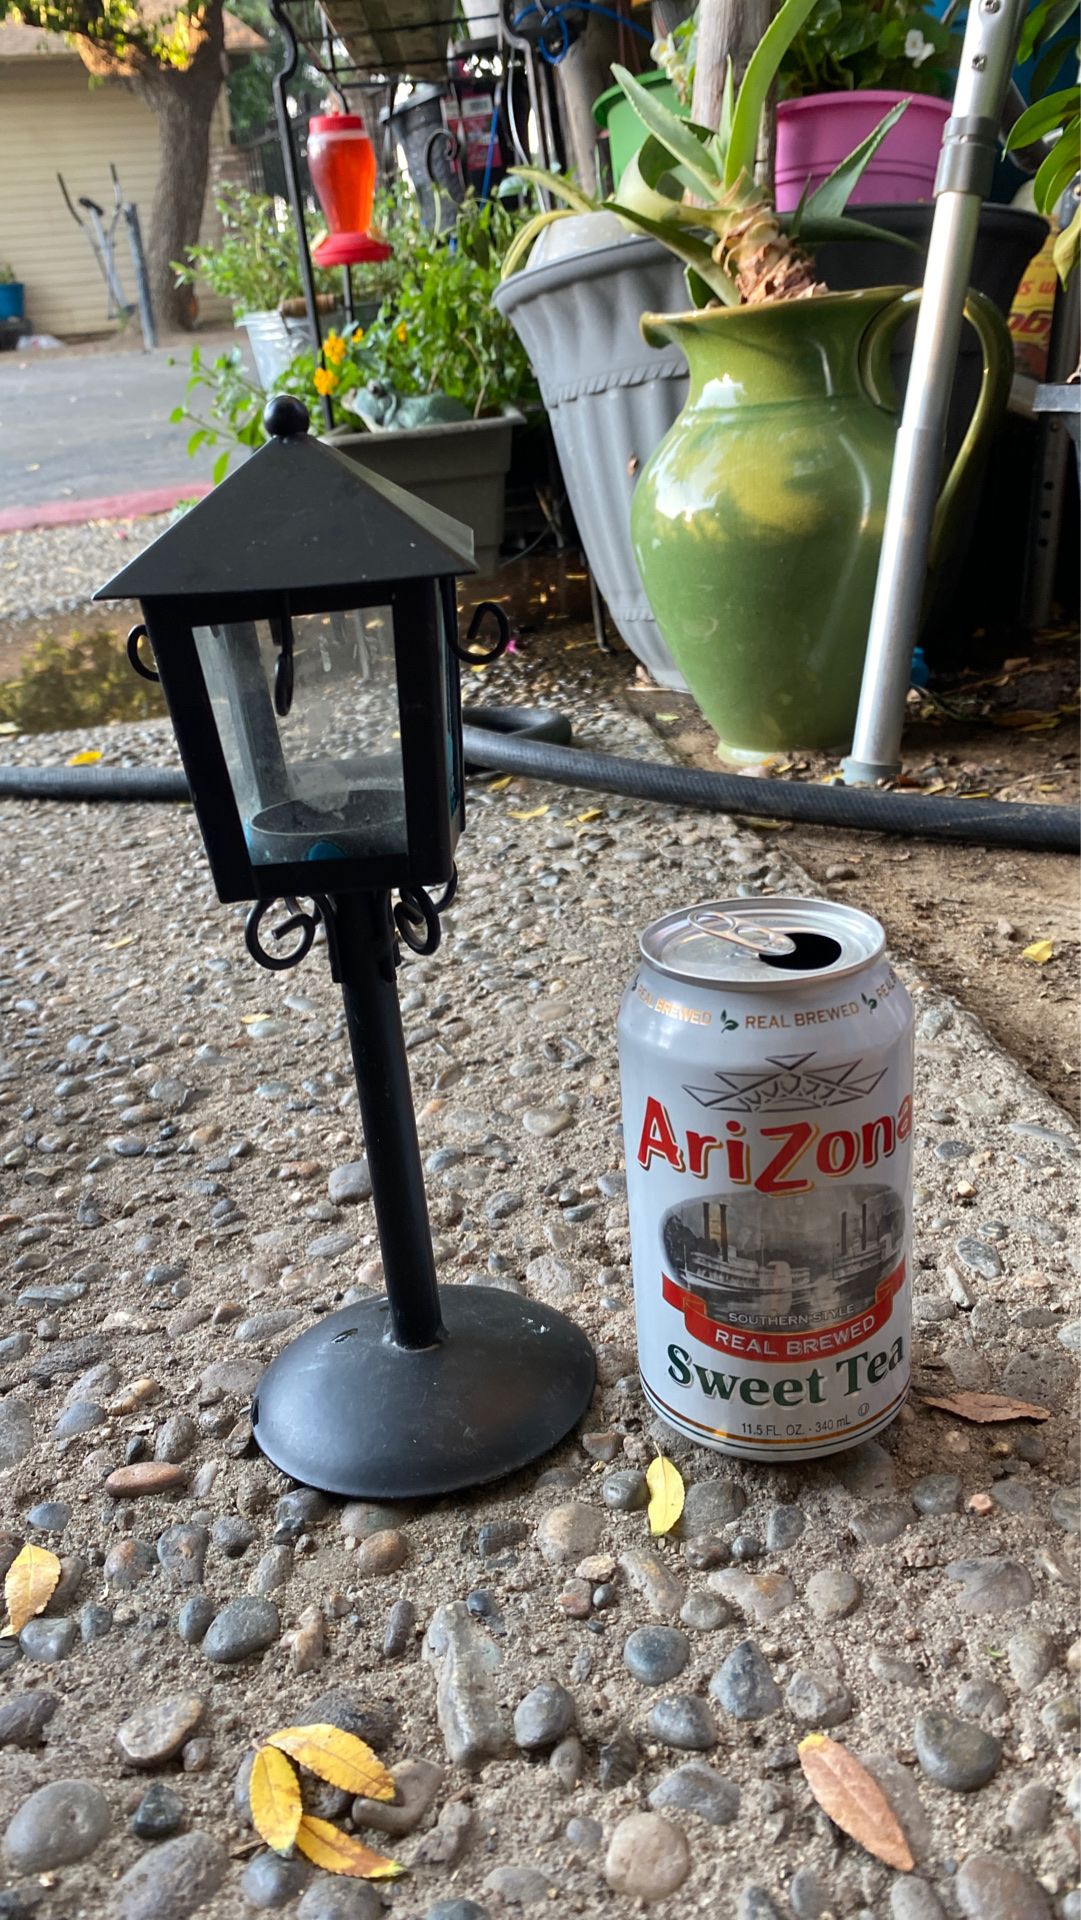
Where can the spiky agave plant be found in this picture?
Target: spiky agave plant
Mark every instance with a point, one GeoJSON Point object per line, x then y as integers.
{"type": "Point", "coordinates": [695, 191]}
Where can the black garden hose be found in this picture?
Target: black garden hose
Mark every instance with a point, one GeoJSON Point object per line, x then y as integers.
{"type": "Point", "coordinates": [532, 742]}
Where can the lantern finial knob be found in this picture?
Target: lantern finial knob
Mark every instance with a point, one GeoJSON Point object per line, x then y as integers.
{"type": "Point", "coordinates": [285, 417]}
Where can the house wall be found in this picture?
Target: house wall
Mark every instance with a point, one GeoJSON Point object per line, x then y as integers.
{"type": "Point", "coordinates": [53, 121]}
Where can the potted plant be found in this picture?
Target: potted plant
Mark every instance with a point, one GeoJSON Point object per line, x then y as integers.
{"type": "Point", "coordinates": [11, 294]}
{"type": "Point", "coordinates": [255, 265]}
{"type": "Point", "coordinates": [757, 521]}
{"type": "Point", "coordinates": [575, 283]}
{"type": "Point", "coordinates": [418, 397]}
{"type": "Point", "coordinates": [851, 61]}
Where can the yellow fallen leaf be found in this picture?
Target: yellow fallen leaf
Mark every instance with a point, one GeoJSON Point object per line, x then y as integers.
{"type": "Point", "coordinates": [338, 1757]}
{"type": "Point", "coordinates": [665, 1485]}
{"type": "Point", "coordinates": [84, 759]}
{"type": "Point", "coordinates": [591, 813]}
{"type": "Point", "coordinates": [29, 1585]}
{"type": "Point", "coordinates": [249, 1019]}
{"type": "Point", "coordinates": [114, 946]}
{"type": "Point", "coordinates": [274, 1797]}
{"type": "Point", "coordinates": [1041, 951]}
{"type": "Point", "coordinates": [533, 814]}
{"type": "Point", "coordinates": [328, 1847]}
{"type": "Point", "coordinates": [854, 1800]}
{"type": "Point", "coordinates": [496, 786]}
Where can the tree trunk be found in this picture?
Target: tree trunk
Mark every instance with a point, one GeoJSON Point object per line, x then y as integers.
{"type": "Point", "coordinates": [726, 29]}
{"type": "Point", "coordinates": [183, 101]}
{"type": "Point", "coordinates": [583, 74]}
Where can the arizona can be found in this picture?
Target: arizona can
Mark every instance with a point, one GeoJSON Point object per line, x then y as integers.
{"type": "Point", "coordinates": [765, 1051]}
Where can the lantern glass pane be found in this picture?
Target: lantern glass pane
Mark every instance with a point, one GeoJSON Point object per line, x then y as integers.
{"type": "Point", "coordinates": [324, 781]}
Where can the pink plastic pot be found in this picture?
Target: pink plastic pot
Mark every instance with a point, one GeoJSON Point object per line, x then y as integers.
{"type": "Point", "coordinates": [816, 133]}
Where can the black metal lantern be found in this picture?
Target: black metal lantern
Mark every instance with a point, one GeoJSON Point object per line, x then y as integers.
{"type": "Point", "coordinates": [303, 625]}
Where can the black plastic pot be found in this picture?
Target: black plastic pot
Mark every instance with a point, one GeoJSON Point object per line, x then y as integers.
{"type": "Point", "coordinates": [1008, 239]}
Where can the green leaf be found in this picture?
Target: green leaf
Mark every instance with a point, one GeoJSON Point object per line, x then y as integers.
{"type": "Point", "coordinates": [1043, 117]}
{"type": "Point", "coordinates": [558, 184]}
{"type": "Point", "coordinates": [693, 252]}
{"type": "Point", "coordinates": [1042, 25]}
{"type": "Point", "coordinates": [722, 139]}
{"type": "Point", "coordinates": [757, 81]}
{"type": "Point", "coordinates": [677, 135]}
{"type": "Point", "coordinates": [641, 194]}
{"type": "Point", "coordinates": [1058, 169]}
{"type": "Point", "coordinates": [816, 228]}
{"type": "Point", "coordinates": [178, 413]}
{"type": "Point", "coordinates": [196, 441]}
{"type": "Point", "coordinates": [220, 468]}
{"type": "Point", "coordinates": [1067, 247]}
{"type": "Point", "coordinates": [523, 241]}
{"type": "Point", "coordinates": [831, 197]}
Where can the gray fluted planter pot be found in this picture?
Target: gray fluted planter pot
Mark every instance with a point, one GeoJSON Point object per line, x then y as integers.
{"type": "Point", "coordinates": [610, 400]}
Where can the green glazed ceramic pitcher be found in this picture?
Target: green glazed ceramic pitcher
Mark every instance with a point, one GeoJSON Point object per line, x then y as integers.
{"type": "Point", "coordinates": [758, 520]}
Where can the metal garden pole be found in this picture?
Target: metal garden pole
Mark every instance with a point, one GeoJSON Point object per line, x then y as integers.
{"type": "Point", "coordinates": [964, 177]}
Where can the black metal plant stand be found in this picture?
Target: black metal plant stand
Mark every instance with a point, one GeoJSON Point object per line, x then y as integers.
{"type": "Point", "coordinates": [418, 1391]}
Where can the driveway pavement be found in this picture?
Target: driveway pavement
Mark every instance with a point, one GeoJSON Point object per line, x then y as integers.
{"type": "Point", "coordinates": [81, 425]}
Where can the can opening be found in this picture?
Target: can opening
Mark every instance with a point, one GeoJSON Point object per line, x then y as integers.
{"type": "Point", "coordinates": [811, 952]}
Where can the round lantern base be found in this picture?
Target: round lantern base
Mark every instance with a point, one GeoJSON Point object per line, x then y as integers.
{"type": "Point", "coordinates": [349, 250]}
{"type": "Point", "coordinates": [344, 1409]}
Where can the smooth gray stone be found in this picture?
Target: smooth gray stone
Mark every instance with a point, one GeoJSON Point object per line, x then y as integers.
{"type": "Point", "coordinates": [818, 1699]}
{"type": "Point", "coordinates": [683, 1720]}
{"type": "Point", "coordinates": [543, 1717]}
{"type": "Point", "coordinates": [744, 1685]}
{"type": "Point", "coordinates": [954, 1753]}
{"type": "Point", "coordinates": [654, 1654]}
{"type": "Point", "coordinates": [990, 1886]}
{"type": "Point", "coordinates": [474, 1724]}
{"type": "Point", "coordinates": [709, 1504]}
{"type": "Point", "coordinates": [784, 1526]}
{"type": "Point", "coordinates": [245, 1627]}
{"type": "Point", "coordinates": [16, 1431]}
{"type": "Point", "coordinates": [697, 1788]}
{"type": "Point", "coordinates": [48, 1641]}
{"type": "Point", "coordinates": [332, 1900]}
{"type": "Point", "coordinates": [995, 1585]}
{"type": "Point", "coordinates": [57, 1825]}
{"type": "Point", "coordinates": [174, 1880]}
{"type": "Point", "coordinates": [270, 1881]}
{"type": "Point", "coordinates": [937, 1493]}
{"type": "Point", "coordinates": [25, 1716]}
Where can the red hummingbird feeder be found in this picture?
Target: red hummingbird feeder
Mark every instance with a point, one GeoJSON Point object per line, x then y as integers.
{"type": "Point", "coordinates": [341, 160]}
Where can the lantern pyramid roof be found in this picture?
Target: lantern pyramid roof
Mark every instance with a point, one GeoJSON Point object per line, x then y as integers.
{"type": "Point", "coordinates": [297, 516]}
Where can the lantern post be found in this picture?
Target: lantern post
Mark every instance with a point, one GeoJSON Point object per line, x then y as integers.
{"type": "Point", "coordinates": [303, 625]}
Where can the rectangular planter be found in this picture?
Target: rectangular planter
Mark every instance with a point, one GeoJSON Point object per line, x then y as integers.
{"type": "Point", "coordinates": [459, 467]}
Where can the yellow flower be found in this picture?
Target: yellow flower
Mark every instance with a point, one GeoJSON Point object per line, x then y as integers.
{"type": "Point", "coordinates": [358, 335]}
{"type": "Point", "coordinates": [401, 333]}
{"type": "Point", "coordinates": [335, 349]}
{"type": "Point", "coordinates": [325, 381]}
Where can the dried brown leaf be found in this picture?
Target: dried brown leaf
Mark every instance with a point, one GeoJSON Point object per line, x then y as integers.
{"type": "Point", "coordinates": [274, 1798]}
{"type": "Point", "coordinates": [338, 1757]}
{"type": "Point", "coordinates": [986, 1408]}
{"type": "Point", "coordinates": [28, 1587]}
{"type": "Point", "coordinates": [328, 1847]}
{"type": "Point", "coordinates": [853, 1800]}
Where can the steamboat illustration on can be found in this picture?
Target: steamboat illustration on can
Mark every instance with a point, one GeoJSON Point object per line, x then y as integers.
{"type": "Point", "coordinates": [765, 1052]}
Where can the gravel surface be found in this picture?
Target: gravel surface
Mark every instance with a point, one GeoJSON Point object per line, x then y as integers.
{"type": "Point", "coordinates": [173, 1126]}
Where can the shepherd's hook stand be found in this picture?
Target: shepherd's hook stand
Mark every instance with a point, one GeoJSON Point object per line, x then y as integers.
{"type": "Point", "coordinates": [412, 1392]}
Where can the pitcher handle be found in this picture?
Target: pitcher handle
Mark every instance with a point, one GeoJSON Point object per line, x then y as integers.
{"type": "Point", "coordinates": [997, 373]}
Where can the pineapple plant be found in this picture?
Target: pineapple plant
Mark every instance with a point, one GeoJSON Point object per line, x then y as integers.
{"type": "Point", "coordinates": [695, 190]}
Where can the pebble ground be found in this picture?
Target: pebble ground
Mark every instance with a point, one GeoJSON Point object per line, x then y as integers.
{"type": "Point", "coordinates": [580, 1718]}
